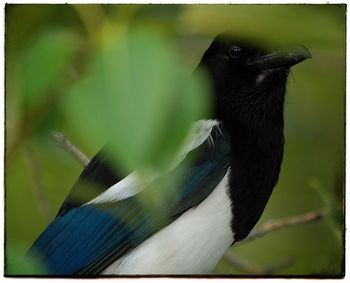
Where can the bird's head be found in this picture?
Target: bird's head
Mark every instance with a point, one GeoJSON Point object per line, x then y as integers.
{"type": "Point", "coordinates": [249, 82]}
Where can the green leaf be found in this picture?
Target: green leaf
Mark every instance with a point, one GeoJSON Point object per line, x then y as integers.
{"type": "Point", "coordinates": [16, 263]}
{"type": "Point", "coordinates": [45, 59]}
{"type": "Point", "coordinates": [139, 96]}
{"type": "Point", "coordinates": [335, 213]}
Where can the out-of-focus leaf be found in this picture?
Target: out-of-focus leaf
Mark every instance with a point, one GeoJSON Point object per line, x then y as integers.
{"type": "Point", "coordinates": [335, 213]}
{"type": "Point", "coordinates": [140, 97]}
{"type": "Point", "coordinates": [44, 60]}
{"type": "Point", "coordinates": [260, 22]}
{"type": "Point", "coordinates": [17, 263]}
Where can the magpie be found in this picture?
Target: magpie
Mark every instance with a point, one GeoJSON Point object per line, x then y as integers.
{"type": "Point", "coordinates": [236, 159]}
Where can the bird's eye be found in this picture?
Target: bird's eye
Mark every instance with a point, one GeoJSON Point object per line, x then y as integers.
{"type": "Point", "coordinates": [235, 51]}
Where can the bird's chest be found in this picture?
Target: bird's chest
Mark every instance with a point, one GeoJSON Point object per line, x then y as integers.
{"type": "Point", "coordinates": [192, 244]}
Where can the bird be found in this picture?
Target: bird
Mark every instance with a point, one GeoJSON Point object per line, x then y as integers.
{"type": "Point", "coordinates": [236, 155]}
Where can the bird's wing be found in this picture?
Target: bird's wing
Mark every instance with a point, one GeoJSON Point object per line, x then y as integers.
{"type": "Point", "coordinates": [96, 178]}
{"type": "Point", "coordinates": [100, 180]}
{"type": "Point", "coordinates": [86, 239]}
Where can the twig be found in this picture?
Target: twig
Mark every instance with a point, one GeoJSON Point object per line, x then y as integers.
{"type": "Point", "coordinates": [278, 265]}
{"type": "Point", "coordinates": [62, 141]}
{"type": "Point", "coordinates": [248, 267]}
{"type": "Point", "coordinates": [273, 225]}
{"type": "Point", "coordinates": [42, 201]}
{"type": "Point", "coordinates": [266, 228]}
{"type": "Point", "coordinates": [241, 264]}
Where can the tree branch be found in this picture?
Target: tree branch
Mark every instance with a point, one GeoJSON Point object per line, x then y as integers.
{"type": "Point", "coordinates": [62, 141]}
{"type": "Point", "coordinates": [241, 264]}
{"type": "Point", "coordinates": [43, 203]}
{"type": "Point", "coordinates": [273, 225]}
{"type": "Point", "coordinates": [278, 265]}
{"type": "Point", "coordinates": [248, 267]}
{"type": "Point", "coordinates": [266, 228]}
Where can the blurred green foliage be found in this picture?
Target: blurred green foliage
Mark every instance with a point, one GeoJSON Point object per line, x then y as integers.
{"type": "Point", "coordinates": [16, 264]}
{"type": "Point", "coordinates": [135, 89]}
{"type": "Point", "coordinates": [64, 60]}
{"type": "Point", "coordinates": [45, 58]}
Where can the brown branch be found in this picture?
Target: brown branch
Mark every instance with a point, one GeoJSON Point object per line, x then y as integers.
{"type": "Point", "coordinates": [274, 225]}
{"type": "Point", "coordinates": [266, 228]}
{"type": "Point", "coordinates": [278, 265]}
{"type": "Point", "coordinates": [241, 264]}
{"type": "Point", "coordinates": [248, 267]}
{"type": "Point", "coordinates": [43, 203]}
{"type": "Point", "coordinates": [62, 141]}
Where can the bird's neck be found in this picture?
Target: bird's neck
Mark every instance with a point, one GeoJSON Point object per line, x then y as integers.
{"type": "Point", "coordinates": [255, 163]}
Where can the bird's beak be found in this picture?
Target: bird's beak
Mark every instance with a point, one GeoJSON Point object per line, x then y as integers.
{"type": "Point", "coordinates": [284, 58]}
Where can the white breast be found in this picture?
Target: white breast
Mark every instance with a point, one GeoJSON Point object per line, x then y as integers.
{"type": "Point", "coordinates": [192, 244]}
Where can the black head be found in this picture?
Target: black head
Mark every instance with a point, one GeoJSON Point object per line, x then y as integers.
{"type": "Point", "coordinates": [249, 82]}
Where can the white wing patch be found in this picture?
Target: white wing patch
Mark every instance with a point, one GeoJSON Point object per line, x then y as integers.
{"type": "Point", "coordinates": [132, 184]}
{"type": "Point", "coordinates": [200, 131]}
{"type": "Point", "coordinates": [198, 134]}
{"type": "Point", "coordinates": [125, 188]}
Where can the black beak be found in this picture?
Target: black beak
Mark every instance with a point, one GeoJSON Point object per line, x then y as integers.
{"type": "Point", "coordinates": [284, 58]}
